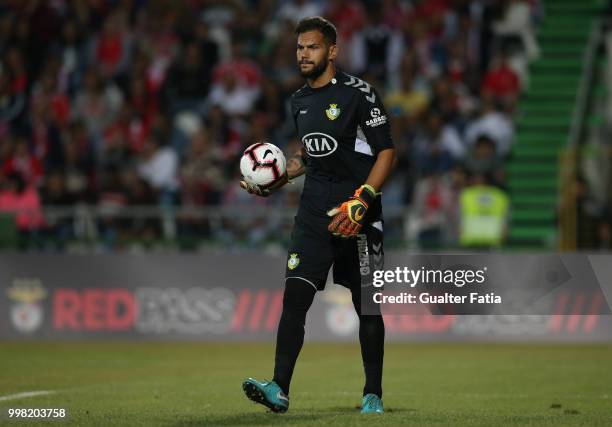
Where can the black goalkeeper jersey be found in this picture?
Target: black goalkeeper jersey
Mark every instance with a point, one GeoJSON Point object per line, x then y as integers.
{"type": "Point", "coordinates": [343, 126]}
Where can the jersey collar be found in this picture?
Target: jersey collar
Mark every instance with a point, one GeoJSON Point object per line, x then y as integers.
{"type": "Point", "coordinates": [334, 81]}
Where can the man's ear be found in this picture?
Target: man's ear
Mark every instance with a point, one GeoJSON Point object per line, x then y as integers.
{"type": "Point", "coordinates": [333, 52]}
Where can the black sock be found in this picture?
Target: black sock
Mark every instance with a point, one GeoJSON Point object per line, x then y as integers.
{"type": "Point", "coordinates": [297, 299]}
{"type": "Point", "coordinates": [372, 340]}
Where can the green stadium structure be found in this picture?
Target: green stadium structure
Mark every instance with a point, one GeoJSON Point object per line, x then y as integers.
{"type": "Point", "coordinates": [545, 119]}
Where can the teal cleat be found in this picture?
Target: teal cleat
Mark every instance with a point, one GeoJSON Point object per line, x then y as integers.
{"type": "Point", "coordinates": [267, 393]}
{"type": "Point", "coordinates": [371, 404]}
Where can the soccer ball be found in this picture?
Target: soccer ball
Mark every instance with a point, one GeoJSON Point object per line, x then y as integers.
{"type": "Point", "coordinates": [263, 164]}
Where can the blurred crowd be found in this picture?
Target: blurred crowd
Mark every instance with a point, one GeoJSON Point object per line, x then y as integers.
{"type": "Point", "coordinates": [151, 102]}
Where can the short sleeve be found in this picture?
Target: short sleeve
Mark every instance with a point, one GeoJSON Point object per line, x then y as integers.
{"type": "Point", "coordinates": [373, 120]}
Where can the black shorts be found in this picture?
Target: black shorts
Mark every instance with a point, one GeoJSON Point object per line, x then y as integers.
{"type": "Point", "coordinates": [313, 251]}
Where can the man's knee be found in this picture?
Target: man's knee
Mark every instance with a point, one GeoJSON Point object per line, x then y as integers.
{"type": "Point", "coordinates": [364, 302]}
{"type": "Point", "coordinates": [299, 294]}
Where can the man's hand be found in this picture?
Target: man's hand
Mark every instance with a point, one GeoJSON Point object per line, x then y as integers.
{"type": "Point", "coordinates": [349, 217]}
{"type": "Point", "coordinates": [261, 191]}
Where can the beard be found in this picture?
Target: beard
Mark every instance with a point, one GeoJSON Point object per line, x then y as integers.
{"type": "Point", "coordinates": [316, 70]}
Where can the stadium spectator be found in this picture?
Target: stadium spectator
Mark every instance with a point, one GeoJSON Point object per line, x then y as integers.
{"type": "Point", "coordinates": [47, 92]}
{"type": "Point", "coordinates": [202, 175]}
{"type": "Point", "coordinates": [157, 45]}
{"type": "Point", "coordinates": [395, 13]}
{"type": "Point", "coordinates": [376, 48]}
{"type": "Point", "coordinates": [296, 10]}
{"type": "Point", "coordinates": [55, 194]}
{"type": "Point", "coordinates": [483, 159]}
{"type": "Point", "coordinates": [438, 146]}
{"type": "Point", "coordinates": [590, 212]}
{"type": "Point", "coordinates": [112, 199]}
{"type": "Point", "coordinates": [429, 49]}
{"type": "Point", "coordinates": [158, 166]}
{"type": "Point", "coordinates": [85, 87]}
{"type": "Point", "coordinates": [16, 66]}
{"type": "Point", "coordinates": [349, 17]}
{"type": "Point", "coordinates": [97, 104]}
{"type": "Point", "coordinates": [516, 22]}
{"type": "Point", "coordinates": [461, 71]}
{"type": "Point", "coordinates": [12, 102]}
{"type": "Point", "coordinates": [432, 207]}
{"type": "Point", "coordinates": [447, 100]}
{"type": "Point", "coordinates": [78, 163]}
{"type": "Point", "coordinates": [283, 71]}
{"type": "Point", "coordinates": [110, 49]}
{"type": "Point", "coordinates": [54, 190]}
{"type": "Point", "coordinates": [236, 84]}
{"type": "Point", "coordinates": [23, 163]}
{"type": "Point", "coordinates": [22, 199]}
{"type": "Point", "coordinates": [188, 81]}
{"type": "Point", "coordinates": [139, 193]}
{"type": "Point", "coordinates": [411, 96]}
{"type": "Point", "coordinates": [432, 13]}
{"type": "Point", "coordinates": [494, 124]}
{"type": "Point", "coordinates": [70, 50]}
{"type": "Point", "coordinates": [232, 97]}
{"type": "Point", "coordinates": [484, 211]}
{"type": "Point", "coordinates": [252, 228]}
{"type": "Point", "coordinates": [501, 83]}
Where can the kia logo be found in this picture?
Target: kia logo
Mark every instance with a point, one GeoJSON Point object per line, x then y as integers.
{"type": "Point", "coordinates": [319, 144]}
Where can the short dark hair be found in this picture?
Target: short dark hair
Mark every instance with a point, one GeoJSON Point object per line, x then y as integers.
{"type": "Point", "coordinates": [486, 140]}
{"type": "Point", "coordinates": [318, 23]}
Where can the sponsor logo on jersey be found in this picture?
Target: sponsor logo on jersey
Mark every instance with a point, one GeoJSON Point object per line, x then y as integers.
{"type": "Point", "coordinates": [376, 119]}
{"type": "Point", "coordinates": [319, 144]}
{"type": "Point", "coordinates": [293, 261]}
{"type": "Point", "coordinates": [332, 112]}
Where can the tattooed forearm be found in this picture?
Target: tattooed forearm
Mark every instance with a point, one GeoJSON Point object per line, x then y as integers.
{"type": "Point", "coordinates": [296, 166]}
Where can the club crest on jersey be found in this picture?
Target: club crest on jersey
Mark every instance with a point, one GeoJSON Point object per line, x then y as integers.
{"type": "Point", "coordinates": [332, 112]}
{"type": "Point", "coordinates": [293, 261]}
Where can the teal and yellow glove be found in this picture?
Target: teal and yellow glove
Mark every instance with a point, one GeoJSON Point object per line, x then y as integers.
{"type": "Point", "coordinates": [349, 217]}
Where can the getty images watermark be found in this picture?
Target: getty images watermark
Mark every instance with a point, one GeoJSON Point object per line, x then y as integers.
{"type": "Point", "coordinates": [404, 276]}
{"type": "Point", "coordinates": [483, 284]}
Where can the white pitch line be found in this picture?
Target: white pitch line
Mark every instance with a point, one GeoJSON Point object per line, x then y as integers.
{"type": "Point", "coordinates": [26, 394]}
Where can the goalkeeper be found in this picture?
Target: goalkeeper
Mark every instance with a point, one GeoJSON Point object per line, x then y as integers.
{"type": "Point", "coordinates": [347, 154]}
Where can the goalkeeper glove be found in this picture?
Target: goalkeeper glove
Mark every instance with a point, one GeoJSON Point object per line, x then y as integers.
{"type": "Point", "coordinates": [349, 217]}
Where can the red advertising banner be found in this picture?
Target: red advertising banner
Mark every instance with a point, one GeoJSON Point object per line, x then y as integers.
{"type": "Point", "coordinates": [238, 296]}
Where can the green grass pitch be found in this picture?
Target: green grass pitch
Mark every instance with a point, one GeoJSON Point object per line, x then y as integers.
{"type": "Point", "coordinates": [199, 384]}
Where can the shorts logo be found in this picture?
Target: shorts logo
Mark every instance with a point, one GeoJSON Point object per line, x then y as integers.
{"type": "Point", "coordinates": [293, 261]}
{"type": "Point", "coordinates": [364, 256]}
{"type": "Point", "coordinates": [332, 112]}
{"type": "Point", "coordinates": [319, 144]}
